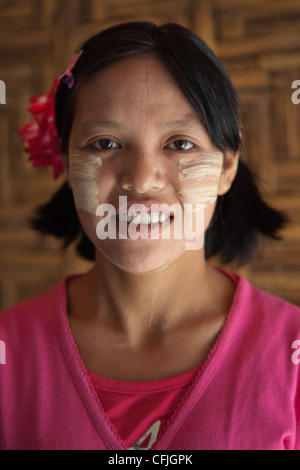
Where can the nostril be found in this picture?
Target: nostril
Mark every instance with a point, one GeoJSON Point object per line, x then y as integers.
{"type": "Point", "coordinates": [142, 183]}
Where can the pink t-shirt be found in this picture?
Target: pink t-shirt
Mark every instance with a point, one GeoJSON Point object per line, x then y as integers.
{"type": "Point", "coordinates": [140, 410]}
{"type": "Point", "coordinates": [245, 395]}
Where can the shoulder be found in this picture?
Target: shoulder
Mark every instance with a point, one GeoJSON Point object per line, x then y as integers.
{"type": "Point", "coordinates": [265, 301]}
{"type": "Point", "coordinates": [24, 317]}
{"type": "Point", "coordinates": [258, 311]}
{"type": "Point", "coordinates": [264, 331]}
{"type": "Point", "coordinates": [265, 313]}
{"type": "Point", "coordinates": [253, 297]}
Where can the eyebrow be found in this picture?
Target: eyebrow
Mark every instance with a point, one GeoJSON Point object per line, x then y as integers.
{"type": "Point", "coordinates": [188, 122]}
{"type": "Point", "coordinates": [89, 126]}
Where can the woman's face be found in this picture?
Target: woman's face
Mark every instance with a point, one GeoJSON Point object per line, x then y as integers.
{"type": "Point", "coordinates": [135, 140]}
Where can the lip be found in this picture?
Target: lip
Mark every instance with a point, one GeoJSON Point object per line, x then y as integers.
{"type": "Point", "coordinates": [143, 219]}
{"type": "Point", "coordinates": [145, 207]}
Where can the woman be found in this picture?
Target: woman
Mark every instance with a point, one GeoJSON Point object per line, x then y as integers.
{"type": "Point", "coordinates": [153, 348]}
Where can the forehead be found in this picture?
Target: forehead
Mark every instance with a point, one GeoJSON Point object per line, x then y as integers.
{"type": "Point", "coordinates": [137, 96]}
{"type": "Point", "coordinates": [141, 83]}
{"type": "Point", "coordinates": [143, 69]}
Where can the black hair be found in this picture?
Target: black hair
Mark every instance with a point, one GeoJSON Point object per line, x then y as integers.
{"type": "Point", "coordinates": [241, 214]}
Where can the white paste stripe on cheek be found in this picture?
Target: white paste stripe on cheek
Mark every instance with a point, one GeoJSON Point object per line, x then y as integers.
{"type": "Point", "coordinates": [84, 175]}
{"type": "Point", "coordinates": [200, 178]}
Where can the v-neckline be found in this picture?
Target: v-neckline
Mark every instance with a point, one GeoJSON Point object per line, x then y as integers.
{"type": "Point", "coordinates": [206, 372]}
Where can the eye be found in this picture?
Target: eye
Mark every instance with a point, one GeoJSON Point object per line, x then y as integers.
{"type": "Point", "coordinates": [181, 145]}
{"type": "Point", "coordinates": [105, 144]}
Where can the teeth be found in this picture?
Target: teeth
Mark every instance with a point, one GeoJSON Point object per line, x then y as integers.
{"type": "Point", "coordinates": [123, 218]}
{"type": "Point", "coordinates": [162, 218]}
{"type": "Point", "coordinates": [155, 218]}
{"type": "Point", "coordinates": [143, 219]}
{"type": "Point", "coordinates": [137, 219]}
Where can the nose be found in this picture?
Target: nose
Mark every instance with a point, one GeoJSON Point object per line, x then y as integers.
{"type": "Point", "coordinates": [142, 174]}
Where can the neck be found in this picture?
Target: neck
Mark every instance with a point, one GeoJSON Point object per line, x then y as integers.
{"type": "Point", "coordinates": [138, 305]}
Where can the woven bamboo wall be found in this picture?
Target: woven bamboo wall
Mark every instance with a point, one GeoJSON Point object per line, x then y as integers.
{"type": "Point", "coordinates": [258, 41]}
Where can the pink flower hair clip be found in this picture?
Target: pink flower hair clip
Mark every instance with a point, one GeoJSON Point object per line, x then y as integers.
{"type": "Point", "coordinates": [40, 133]}
{"type": "Point", "coordinates": [67, 77]}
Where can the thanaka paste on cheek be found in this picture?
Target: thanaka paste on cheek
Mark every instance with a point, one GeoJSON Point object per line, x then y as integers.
{"type": "Point", "coordinates": [200, 178]}
{"type": "Point", "coordinates": [84, 176]}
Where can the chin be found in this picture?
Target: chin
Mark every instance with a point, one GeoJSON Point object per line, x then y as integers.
{"type": "Point", "coordinates": [143, 258]}
{"type": "Point", "coordinates": [142, 269]}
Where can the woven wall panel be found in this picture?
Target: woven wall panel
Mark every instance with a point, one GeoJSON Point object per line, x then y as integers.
{"type": "Point", "coordinates": [258, 41]}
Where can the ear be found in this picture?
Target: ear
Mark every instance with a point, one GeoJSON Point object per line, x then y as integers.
{"type": "Point", "coordinates": [65, 162]}
{"type": "Point", "coordinates": [231, 161]}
